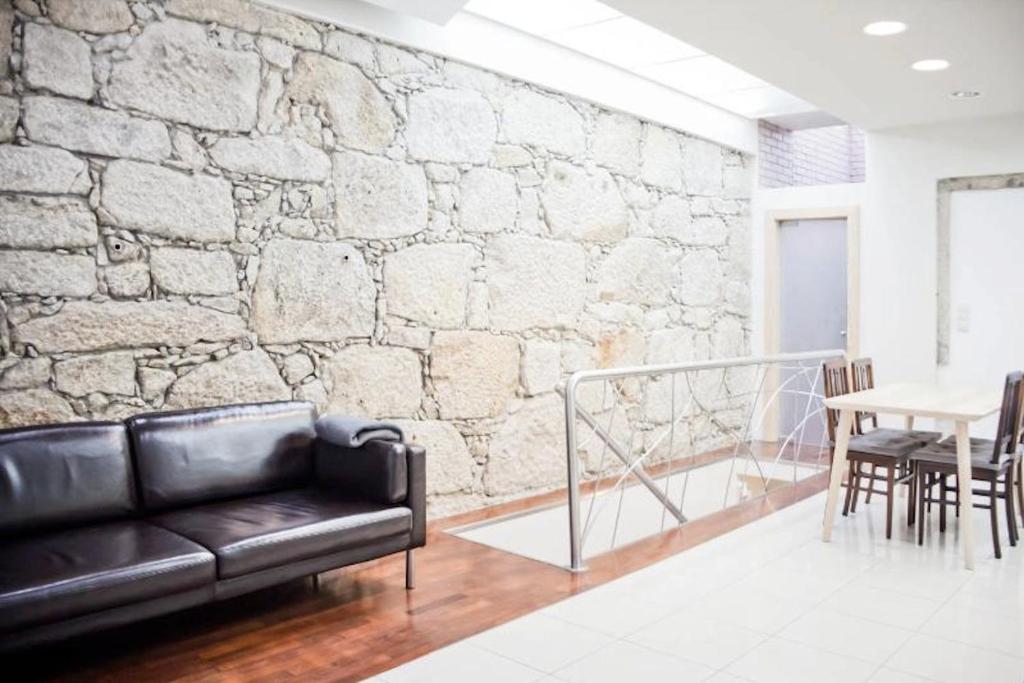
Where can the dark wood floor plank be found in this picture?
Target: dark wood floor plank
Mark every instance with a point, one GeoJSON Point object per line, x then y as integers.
{"type": "Point", "coordinates": [363, 621]}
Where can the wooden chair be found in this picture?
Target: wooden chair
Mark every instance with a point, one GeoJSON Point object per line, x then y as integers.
{"type": "Point", "coordinates": [862, 371]}
{"type": "Point", "coordinates": [992, 461]}
{"type": "Point", "coordinates": [881, 448]}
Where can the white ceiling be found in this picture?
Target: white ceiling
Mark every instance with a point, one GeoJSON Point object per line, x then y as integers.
{"type": "Point", "coordinates": [816, 50]}
{"type": "Point", "coordinates": [598, 30]}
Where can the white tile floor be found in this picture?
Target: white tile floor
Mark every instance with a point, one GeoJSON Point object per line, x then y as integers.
{"type": "Point", "coordinates": [771, 603]}
{"type": "Point", "coordinates": [544, 534]}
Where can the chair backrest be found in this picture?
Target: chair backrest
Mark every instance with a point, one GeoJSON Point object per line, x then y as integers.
{"type": "Point", "coordinates": [206, 454]}
{"type": "Point", "coordinates": [863, 378]}
{"type": "Point", "coordinates": [837, 383]}
{"type": "Point", "coordinates": [1008, 430]}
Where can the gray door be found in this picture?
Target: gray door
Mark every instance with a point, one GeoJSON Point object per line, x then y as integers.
{"type": "Point", "coordinates": [812, 311]}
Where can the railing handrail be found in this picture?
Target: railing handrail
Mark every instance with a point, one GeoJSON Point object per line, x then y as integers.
{"type": "Point", "coordinates": [568, 391]}
{"type": "Point", "coordinates": [738, 361]}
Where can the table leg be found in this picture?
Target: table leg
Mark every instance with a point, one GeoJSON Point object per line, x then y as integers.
{"type": "Point", "coordinates": [964, 485]}
{"type": "Point", "coordinates": [838, 470]}
{"type": "Point", "coordinates": [908, 422]}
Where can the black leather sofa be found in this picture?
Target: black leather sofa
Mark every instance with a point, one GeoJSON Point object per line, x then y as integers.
{"type": "Point", "coordinates": [105, 523]}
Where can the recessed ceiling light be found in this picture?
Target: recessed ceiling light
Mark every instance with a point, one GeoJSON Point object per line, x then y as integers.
{"type": "Point", "coordinates": [930, 65]}
{"type": "Point", "coordinates": [885, 28]}
{"type": "Point", "coordinates": [965, 94]}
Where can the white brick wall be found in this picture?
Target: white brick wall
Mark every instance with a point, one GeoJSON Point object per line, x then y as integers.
{"type": "Point", "coordinates": [814, 156]}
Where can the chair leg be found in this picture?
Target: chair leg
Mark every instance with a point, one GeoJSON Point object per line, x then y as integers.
{"type": "Point", "coordinates": [994, 517]}
{"type": "Point", "coordinates": [928, 487]}
{"type": "Point", "coordinates": [1011, 517]}
{"type": "Point", "coordinates": [942, 506]}
{"type": "Point", "coordinates": [871, 487]}
{"type": "Point", "coordinates": [890, 487]}
{"type": "Point", "coordinates": [922, 493]}
{"type": "Point", "coordinates": [851, 482]}
{"type": "Point", "coordinates": [911, 498]}
{"type": "Point", "coordinates": [1020, 489]}
{"type": "Point", "coordinates": [410, 570]}
{"type": "Point", "coordinates": [856, 488]}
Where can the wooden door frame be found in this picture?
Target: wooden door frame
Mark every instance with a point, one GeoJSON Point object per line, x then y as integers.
{"type": "Point", "coordinates": [772, 289]}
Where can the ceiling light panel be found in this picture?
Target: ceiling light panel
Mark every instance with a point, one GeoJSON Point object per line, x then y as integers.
{"type": "Point", "coordinates": [625, 42]}
{"type": "Point", "coordinates": [543, 17]}
{"type": "Point", "coordinates": [930, 65]}
{"type": "Point", "coordinates": [885, 28]}
{"type": "Point", "coordinates": [701, 75]}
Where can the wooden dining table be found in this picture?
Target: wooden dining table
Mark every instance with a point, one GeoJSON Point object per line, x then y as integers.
{"type": "Point", "coordinates": [961, 406]}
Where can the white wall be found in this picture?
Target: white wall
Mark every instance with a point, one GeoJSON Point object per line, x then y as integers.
{"type": "Point", "coordinates": [493, 46]}
{"type": "Point", "coordinates": [898, 231]}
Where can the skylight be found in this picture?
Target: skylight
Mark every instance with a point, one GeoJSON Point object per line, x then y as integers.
{"type": "Point", "coordinates": [596, 30]}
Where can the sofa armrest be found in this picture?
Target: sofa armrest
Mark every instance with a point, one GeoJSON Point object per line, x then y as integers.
{"type": "Point", "coordinates": [379, 471]}
{"type": "Point", "coordinates": [416, 459]}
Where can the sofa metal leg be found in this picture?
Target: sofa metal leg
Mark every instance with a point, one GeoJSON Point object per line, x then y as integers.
{"type": "Point", "coordinates": [410, 570]}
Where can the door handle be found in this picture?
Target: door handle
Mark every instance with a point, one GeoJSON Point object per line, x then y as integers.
{"type": "Point", "coordinates": [842, 333]}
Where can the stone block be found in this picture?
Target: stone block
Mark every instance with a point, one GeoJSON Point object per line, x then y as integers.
{"type": "Point", "coordinates": [174, 72]}
{"type": "Point", "coordinates": [374, 381]}
{"type": "Point", "coordinates": [534, 282]}
{"type": "Point", "coordinates": [109, 373]}
{"type": "Point", "coordinates": [378, 198]}
{"type": "Point", "coordinates": [128, 279]}
{"type": "Point", "coordinates": [10, 110]}
{"type": "Point", "coordinates": [360, 115]}
{"type": "Point", "coordinates": [57, 60]}
{"type": "Point", "coordinates": [46, 223]}
{"type": "Point", "coordinates": [45, 274]}
{"type": "Point", "coordinates": [91, 16]}
{"type": "Point", "coordinates": [450, 126]}
{"type": "Point", "coordinates": [702, 168]}
{"type": "Point", "coordinates": [451, 463]}
{"type": "Point", "coordinates": [167, 203]}
{"type": "Point", "coordinates": [88, 326]}
{"type": "Point", "coordinates": [33, 407]}
{"type": "Point", "coordinates": [528, 450]}
{"type": "Point", "coordinates": [542, 366]}
{"type": "Point", "coordinates": [487, 201]}
{"type": "Point", "coordinates": [475, 373]}
{"type": "Point", "coordinates": [616, 143]}
{"type": "Point", "coordinates": [281, 158]}
{"type": "Point", "coordinates": [191, 271]}
{"type": "Point", "coordinates": [346, 47]}
{"type": "Point", "coordinates": [297, 367]}
{"type": "Point", "coordinates": [26, 373]}
{"type": "Point", "coordinates": [663, 159]}
{"type": "Point", "coordinates": [154, 382]}
{"type": "Point", "coordinates": [638, 270]}
{"type": "Point", "coordinates": [250, 17]}
{"type": "Point", "coordinates": [584, 206]}
{"type": "Point", "coordinates": [330, 297]}
{"type": "Point", "coordinates": [529, 118]}
{"type": "Point", "coordinates": [83, 128]}
{"type": "Point", "coordinates": [42, 170]}
{"type": "Point", "coordinates": [429, 283]}
{"type": "Point", "coordinates": [699, 278]}
{"type": "Point", "coordinates": [244, 377]}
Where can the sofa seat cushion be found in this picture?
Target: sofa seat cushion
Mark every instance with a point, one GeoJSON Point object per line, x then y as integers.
{"type": "Point", "coordinates": [268, 530]}
{"type": "Point", "coordinates": [67, 573]}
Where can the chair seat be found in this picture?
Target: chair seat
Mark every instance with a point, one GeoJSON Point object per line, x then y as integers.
{"type": "Point", "coordinates": [64, 574]}
{"type": "Point", "coordinates": [894, 443]}
{"type": "Point", "coordinates": [260, 532]}
{"type": "Point", "coordinates": [943, 454]}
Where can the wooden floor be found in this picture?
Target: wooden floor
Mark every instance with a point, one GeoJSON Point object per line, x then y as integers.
{"type": "Point", "coordinates": [363, 621]}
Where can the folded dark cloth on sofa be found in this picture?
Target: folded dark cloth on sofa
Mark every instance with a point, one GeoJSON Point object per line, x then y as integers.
{"type": "Point", "coordinates": [352, 432]}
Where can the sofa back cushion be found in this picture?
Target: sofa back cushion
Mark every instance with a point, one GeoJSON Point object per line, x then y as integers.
{"type": "Point", "coordinates": [64, 475]}
{"type": "Point", "coordinates": [192, 456]}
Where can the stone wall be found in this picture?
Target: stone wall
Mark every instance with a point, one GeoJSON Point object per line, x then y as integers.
{"type": "Point", "coordinates": [211, 202]}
